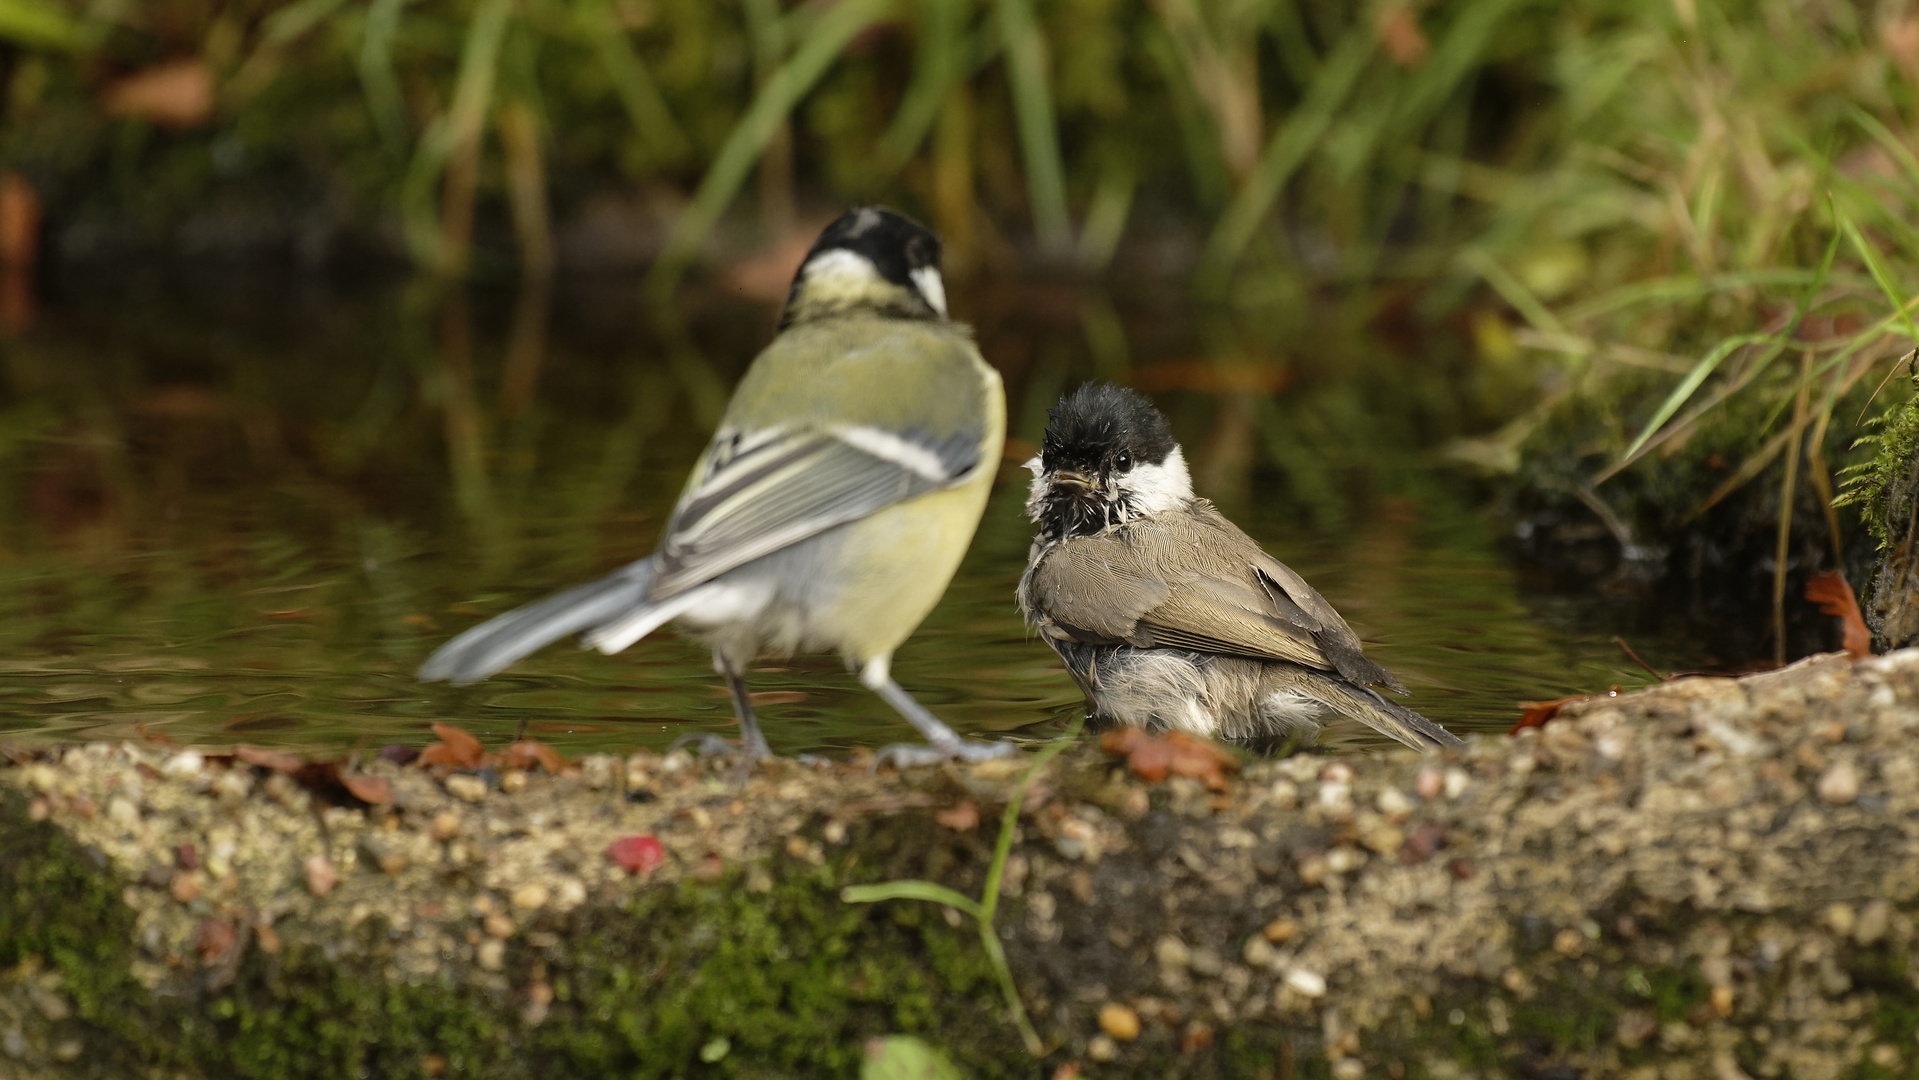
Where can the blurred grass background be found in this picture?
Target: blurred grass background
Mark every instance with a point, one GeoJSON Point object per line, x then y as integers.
{"type": "Point", "coordinates": [1654, 250]}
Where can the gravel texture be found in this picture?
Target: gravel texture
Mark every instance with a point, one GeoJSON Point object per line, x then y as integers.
{"type": "Point", "coordinates": [1710, 878]}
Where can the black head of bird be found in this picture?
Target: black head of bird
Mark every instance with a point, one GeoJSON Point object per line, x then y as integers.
{"type": "Point", "coordinates": [1108, 457]}
{"type": "Point", "coordinates": [869, 259]}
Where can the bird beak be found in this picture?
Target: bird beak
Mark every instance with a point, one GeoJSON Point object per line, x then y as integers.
{"type": "Point", "coordinates": [1067, 477]}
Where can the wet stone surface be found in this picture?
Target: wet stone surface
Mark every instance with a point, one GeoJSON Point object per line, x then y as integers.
{"type": "Point", "coordinates": [1711, 877]}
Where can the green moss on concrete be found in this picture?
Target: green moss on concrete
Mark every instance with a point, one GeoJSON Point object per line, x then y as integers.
{"type": "Point", "coordinates": [57, 905]}
{"type": "Point", "coordinates": [793, 979]}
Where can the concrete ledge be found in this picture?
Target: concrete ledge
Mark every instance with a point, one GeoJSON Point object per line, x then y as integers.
{"type": "Point", "coordinates": [1711, 877]}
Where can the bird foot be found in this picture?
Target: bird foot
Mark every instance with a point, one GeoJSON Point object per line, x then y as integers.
{"type": "Point", "coordinates": [907, 755]}
{"type": "Point", "coordinates": [711, 745]}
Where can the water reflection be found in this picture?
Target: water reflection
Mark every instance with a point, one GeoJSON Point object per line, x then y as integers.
{"type": "Point", "coordinates": [242, 508]}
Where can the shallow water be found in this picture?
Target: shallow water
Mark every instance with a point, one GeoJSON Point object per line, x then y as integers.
{"type": "Point", "coordinates": [242, 507]}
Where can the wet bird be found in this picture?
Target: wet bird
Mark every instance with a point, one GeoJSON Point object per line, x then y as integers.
{"type": "Point", "coordinates": [833, 504]}
{"type": "Point", "coordinates": [1166, 614]}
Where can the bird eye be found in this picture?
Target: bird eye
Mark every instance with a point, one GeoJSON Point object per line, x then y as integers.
{"type": "Point", "coordinates": [1125, 461]}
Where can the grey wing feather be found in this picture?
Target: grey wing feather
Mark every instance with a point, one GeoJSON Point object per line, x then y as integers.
{"type": "Point", "coordinates": [786, 489]}
{"type": "Point", "coordinates": [1341, 646]}
{"type": "Point", "coordinates": [500, 641]}
{"type": "Point", "coordinates": [1196, 581]}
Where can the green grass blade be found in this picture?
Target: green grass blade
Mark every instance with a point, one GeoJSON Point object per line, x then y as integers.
{"type": "Point", "coordinates": [1106, 215]}
{"type": "Point", "coordinates": [996, 954]}
{"type": "Point", "coordinates": [293, 20]}
{"type": "Point", "coordinates": [817, 51]}
{"type": "Point", "coordinates": [1694, 378]}
{"type": "Point", "coordinates": [1676, 289]}
{"type": "Point", "coordinates": [1891, 144]}
{"type": "Point", "coordinates": [1513, 291]}
{"type": "Point", "coordinates": [941, 63]}
{"type": "Point", "coordinates": [378, 80]}
{"type": "Point", "coordinates": [1877, 270]}
{"type": "Point", "coordinates": [1009, 821]}
{"type": "Point", "coordinates": [38, 24]}
{"type": "Point", "coordinates": [1291, 141]}
{"type": "Point", "coordinates": [1778, 344]}
{"type": "Point", "coordinates": [464, 119]}
{"type": "Point", "coordinates": [1026, 73]}
{"type": "Point", "coordinates": [910, 890]}
{"type": "Point", "coordinates": [637, 91]}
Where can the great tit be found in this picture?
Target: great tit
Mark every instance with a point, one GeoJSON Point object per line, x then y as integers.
{"type": "Point", "coordinates": [1166, 614]}
{"type": "Point", "coordinates": [832, 505]}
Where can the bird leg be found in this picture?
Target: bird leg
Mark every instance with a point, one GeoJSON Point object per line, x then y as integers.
{"type": "Point", "coordinates": [752, 742]}
{"type": "Point", "coordinates": [943, 742]}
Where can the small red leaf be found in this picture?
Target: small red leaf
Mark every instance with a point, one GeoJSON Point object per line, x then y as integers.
{"type": "Point", "coordinates": [455, 748]}
{"type": "Point", "coordinates": [1538, 712]}
{"type": "Point", "coordinates": [527, 753]}
{"type": "Point", "coordinates": [960, 818]}
{"type": "Point", "coordinates": [267, 759]}
{"type": "Point", "coordinates": [1178, 753]}
{"type": "Point", "coordinates": [1834, 596]}
{"type": "Point", "coordinates": [637, 854]}
{"type": "Point", "coordinates": [213, 938]}
{"type": "Point", "coordinates": [369, 789]}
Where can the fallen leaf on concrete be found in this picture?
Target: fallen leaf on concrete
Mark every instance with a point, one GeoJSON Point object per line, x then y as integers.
{"type": "Point", "coordinates": [368, 789]}
{"type": "Point", "coordinates": [1539, 712]}
{"type": "Point", "coordinates": [527, 753]}
{"type": "Point", "coordinates": [455, 748]}
{"type": "Point", "coordinates": [276, 760]}
{"type": "Point", "coordinates": [1834, 596]}
{"type": "Point", "coordinates": [1178, 753]}
{"type": "Point", "coordinates": [213, 939]}
{"type": "Point", "coordinates": [637, 854]}
{"type": "Point", "coordinates": [1420, 846]}
{"type": "Point", "coordinates": [960, 818]}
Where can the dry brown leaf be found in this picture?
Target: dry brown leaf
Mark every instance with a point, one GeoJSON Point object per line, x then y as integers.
{"type": "Point", "coordinates": [213, 938]}
{"type": "Point", "coordinates": [1538, 712]}
{"type": "Point", "coordinates": [1179, 754]}
{"type": "Point", "coordinates": [527, 753]}
{"type": "Point", "coordinates": [455, 748]}
{"type": "Point", "coordinates": [277, 760]}
{"type": "Point", "coordinates": [1834, 596]}
{"type": "Point", "coordinates": [19, 221]}
{"type": "Point", "coordinates": [1399, 33]}
{"type": "Point", "coordinates": [369, 789]}
{"type": "Point", "coordinates": [961, 818]}
{"type": "Point", "coordinates": [178, 93]}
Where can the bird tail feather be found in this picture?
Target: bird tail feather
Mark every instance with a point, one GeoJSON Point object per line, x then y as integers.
{"type": "Point", "coordinates": [1386, 717]}
{"type": "Point", "coordinates": [498, 642]}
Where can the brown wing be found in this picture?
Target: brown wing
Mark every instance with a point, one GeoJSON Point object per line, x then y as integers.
{"type": "Point", "coordinates": [1193, 581]}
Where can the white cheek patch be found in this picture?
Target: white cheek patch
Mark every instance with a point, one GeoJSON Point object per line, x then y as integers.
{"type": "Point", "coordinates": [931, 286]}
{"type": "Point", "coordinates": [1155, 489]}
{"type": "Point", "coordinates": [1036, 491]}
{"type": "Point", "coordinates": [841, 273]}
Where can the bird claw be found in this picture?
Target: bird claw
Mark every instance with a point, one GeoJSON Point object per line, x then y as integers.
{"type": "Point", "coordinates": [907, 755]}
{"type": "Point", "coordinates": [711, 745]}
